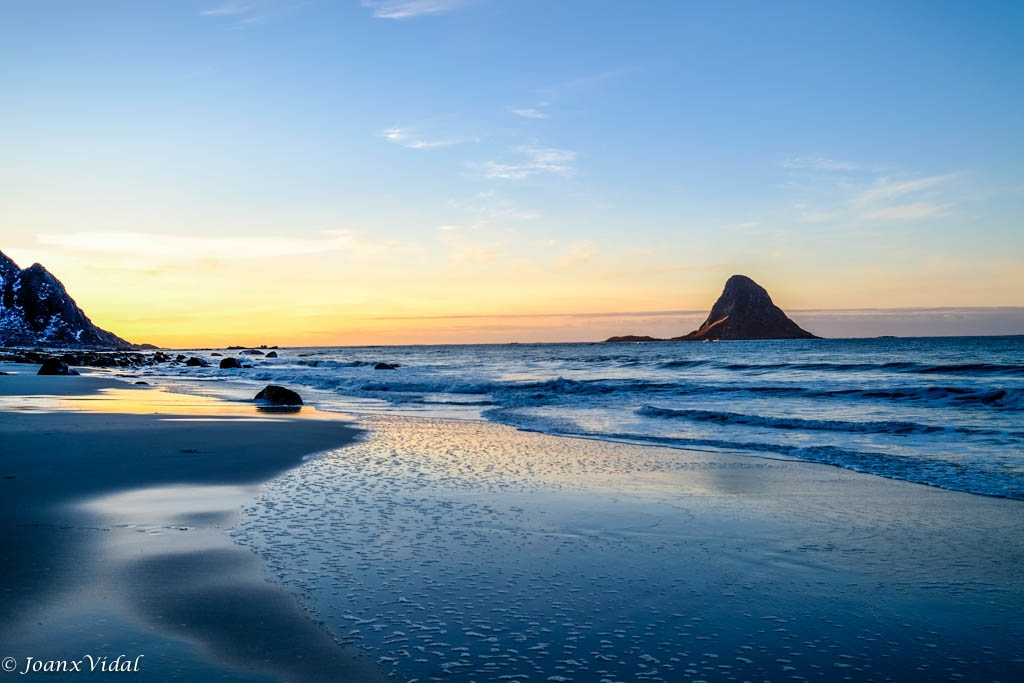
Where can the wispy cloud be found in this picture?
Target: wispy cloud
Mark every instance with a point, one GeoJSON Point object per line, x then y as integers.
{"type": "Point", "coordinates": [908, 212]}
{"type": "Point", "coordinates": [587, 82]}
{"type": "Point", "coordinates": [251, 12]}
{"type": "Point", "coordinates": [577, 254]}
{"type": "Point", "coordinates": [165, 248]}
{"type": "Point", "coordinates": [909, 199]}
{"type": "Point", "coordinates": [407, 137]}
{"type": "Point", "coordinates": [467, 246]}
{"type": "Point", "coordinates": [611, 314]}
{"type": "Point", "coordinates": [409, 9]}
{"type": "Point", "coordinates": [529, 112]}
{"type": "Point", "coordinates": [534, 161]}
{"type": "Point", "coordinates": [832, 190]}
{"type": "Point", "coordinates": [818, 163]}
{"type": "Point", "coordinates": [491, 208]}
{"type": "Point", "coordinates": [887, 189]}
{"type": "Point", "coordinates": [228, 9]}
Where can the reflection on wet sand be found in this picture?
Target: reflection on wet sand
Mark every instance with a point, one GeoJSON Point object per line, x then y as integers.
{"type": "Point", "coordinates": [113, 509]}
{"type": "Point", "coordinates": [149, 401]}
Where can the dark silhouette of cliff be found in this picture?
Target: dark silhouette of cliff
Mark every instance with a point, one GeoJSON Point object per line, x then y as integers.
{"type": "Point", "coordinates": [36, 310]}
{"type": "Point", "coordinates": [743, 311]}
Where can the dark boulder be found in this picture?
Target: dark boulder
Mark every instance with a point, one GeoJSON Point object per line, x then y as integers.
{"type": "Point", "coordinates": [279, 396]}
{"type": "Point", "coordinates": [386, 366]}
{"type": "Point", "coordinates": [252, 352]}
{"type": "Point", "coordinates": [180, 357]}
{"type": "Point", "coordinates": [55, 366]}
{"type": "Point", "coordinates": [272, 354]}
{"type": "Point", "coordinates": [216, 354]}
{"type": "Point", "coordinates": [194, 362]}
{"type": "Point", "coordinates": [228, 363]}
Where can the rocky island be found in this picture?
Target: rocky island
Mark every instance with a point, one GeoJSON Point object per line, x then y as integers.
{"type": "Point", "coordinates": [743, 311]}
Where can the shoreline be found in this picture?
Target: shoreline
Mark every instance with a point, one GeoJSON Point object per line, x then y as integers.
{"type": "Point", "coordinates": [567, 554]}
{"type": "Point", "coordinates": [939, 413]}
{"type": "Point", "coordinates": [115, 506]}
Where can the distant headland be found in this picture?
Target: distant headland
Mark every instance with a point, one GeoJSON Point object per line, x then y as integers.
{"type": "Point", "coordinates": [743, 311]}
{"type": "Point", "coordinates": [36, 310]}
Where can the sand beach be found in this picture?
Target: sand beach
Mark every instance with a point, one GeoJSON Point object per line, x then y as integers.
{"type": "Point", "coordinates": [113, 513]}
{"type": "Point", "coordinates": [192, 532]}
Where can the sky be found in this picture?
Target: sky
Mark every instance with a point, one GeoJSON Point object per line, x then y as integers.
{"type": "Point", "coordinates": [307, 172]}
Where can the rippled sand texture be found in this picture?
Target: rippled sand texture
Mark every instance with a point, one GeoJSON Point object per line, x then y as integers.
{"type": "Point", "coordinates": [471, 552]}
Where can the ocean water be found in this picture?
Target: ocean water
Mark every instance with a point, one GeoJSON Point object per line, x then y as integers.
{"type": "Point", "coordinates": [946, 412]}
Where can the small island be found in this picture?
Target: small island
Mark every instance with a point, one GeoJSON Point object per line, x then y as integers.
{"type": "Point", "coordinates": [743, 311]}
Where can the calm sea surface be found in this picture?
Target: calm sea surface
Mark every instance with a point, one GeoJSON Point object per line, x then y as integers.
{"type": "Point", "coordinates": [947, 412]}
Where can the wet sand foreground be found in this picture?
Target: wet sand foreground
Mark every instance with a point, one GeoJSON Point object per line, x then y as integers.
{"type": "Point", "coordinates": [113, 508]}
{"type": "Point", "coordinates": [433, 549]}
{"type": "Point", "coordinates": [454, 550]}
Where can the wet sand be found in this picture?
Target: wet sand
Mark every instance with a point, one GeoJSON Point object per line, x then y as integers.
{"type": "Point", "coordinates": [468, 551]}
{"type": "Point", "coordinates": [453, 550]}
{"type": "Point", "coordinates": [114, 506]}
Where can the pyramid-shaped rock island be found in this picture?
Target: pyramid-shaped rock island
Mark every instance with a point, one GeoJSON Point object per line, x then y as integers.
{"type": "Point", "coordinates": [744, 311]}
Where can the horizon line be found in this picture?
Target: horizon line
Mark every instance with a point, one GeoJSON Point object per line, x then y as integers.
{"type": "Point", "coordinates": [667, 312]}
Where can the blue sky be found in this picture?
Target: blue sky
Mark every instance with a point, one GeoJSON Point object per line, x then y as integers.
{"type": "Point", "coordinates": [491, 157]}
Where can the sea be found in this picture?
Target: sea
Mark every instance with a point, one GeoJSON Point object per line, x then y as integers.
{"type": "Point", "coordinates": [945, 412]}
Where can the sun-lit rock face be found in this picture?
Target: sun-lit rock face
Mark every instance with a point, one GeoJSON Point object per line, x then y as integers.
{"type": "Point", "coordinates": [35, 310]}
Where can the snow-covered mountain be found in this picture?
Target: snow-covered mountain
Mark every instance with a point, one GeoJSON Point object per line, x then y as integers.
{"type": "Point", "coordinates": [35, 310]}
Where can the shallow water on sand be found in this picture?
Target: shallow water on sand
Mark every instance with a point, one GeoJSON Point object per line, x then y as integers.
{"type": "Point", "coordinates": [453, 550]}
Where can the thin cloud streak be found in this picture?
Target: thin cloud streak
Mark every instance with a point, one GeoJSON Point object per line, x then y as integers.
{"type": "Point", "coordinates": [906, 200]}
{"type": "Point", "coordinates": [619, 314]}
{"type": "Point", "coordinates": [529, 113]}
{"type": "Point", "coordinates": [252, 12]}
{"type": "Point", "coordinates": [915, 211]}
{"type": "Point", "coordinates": [583, 83]}
{"type": "Point", "coordinates": [229, 9]}
{"type": "Point", "coordinates": [819, 163]}
{"type": "Point", "coordinates": [884, 189]}
{"type": "Point", "coordinates": [578, 253]}
{"type": "Point", "coordinates": [853, 191]}
{"type": "Point", "coordinates": [406, 138]}
{"type": "Point", "coordinates": [538, 160]}
{"type": "Point", "coordinates": [169, 248]}
{"type": "Point", "coordinates": [409, 9]}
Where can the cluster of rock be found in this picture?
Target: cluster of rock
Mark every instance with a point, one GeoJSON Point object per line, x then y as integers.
{"type": "Point", "coordinates": [93, 359]}
{"type": "Point", "coordinates": [117, 359]}
{"type": "Point", "coordinates": [743, 311]}
{"type": "Point", "coordinates": [137, 359]}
